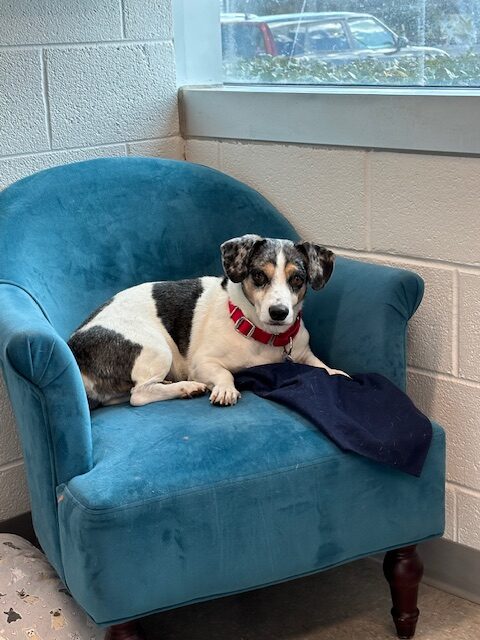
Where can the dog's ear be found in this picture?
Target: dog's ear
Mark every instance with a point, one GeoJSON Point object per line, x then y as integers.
{"type": "Point", "coordinates": [236, 255]}
{"type": "Point", "coordinates": [319, 263]}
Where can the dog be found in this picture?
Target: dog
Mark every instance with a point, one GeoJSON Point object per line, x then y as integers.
{"type": "Point", "coordinates": [163, 340]}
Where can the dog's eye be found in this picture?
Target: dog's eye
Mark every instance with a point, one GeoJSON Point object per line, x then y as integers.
{"type": "Point", "coordinates": [296, 281]}
{"type": "Point", "coordinates": [259, 278]}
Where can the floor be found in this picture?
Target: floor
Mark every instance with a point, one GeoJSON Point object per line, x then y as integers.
{"type": "Point", "coordinates": [351, 602]}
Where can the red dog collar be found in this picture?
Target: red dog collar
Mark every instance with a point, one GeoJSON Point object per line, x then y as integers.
{"type": "Point", "coordinates": [248, 329]}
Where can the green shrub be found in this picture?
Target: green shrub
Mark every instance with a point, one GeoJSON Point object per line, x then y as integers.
{"type": "Point", "coordinates": [462, 71]}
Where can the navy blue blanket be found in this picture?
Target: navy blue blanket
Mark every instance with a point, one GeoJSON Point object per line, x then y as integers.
{"type": "Point", "coordinates": [367, 414]}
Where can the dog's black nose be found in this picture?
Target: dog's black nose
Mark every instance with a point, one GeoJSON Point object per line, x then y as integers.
{"type": "Point", "coordinates": [278, 312]}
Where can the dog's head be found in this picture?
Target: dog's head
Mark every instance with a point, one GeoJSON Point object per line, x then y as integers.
{"type": "Point", "coordinates": [274, 274]}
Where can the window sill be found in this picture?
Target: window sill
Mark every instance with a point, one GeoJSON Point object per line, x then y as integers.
{"type": "Point", "coordinates": [422, 120]}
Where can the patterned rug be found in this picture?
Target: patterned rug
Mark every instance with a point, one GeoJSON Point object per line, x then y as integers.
{"type": "Point", "coordinates": [34, 602]}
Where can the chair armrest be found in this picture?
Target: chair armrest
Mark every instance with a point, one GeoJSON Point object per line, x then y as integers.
{"type": "Point", "coordinates": [36, 360]}
{"type": "Point", "coordinates": [358, 323]}
{"type": "Point", "coordinates": [50, 407]}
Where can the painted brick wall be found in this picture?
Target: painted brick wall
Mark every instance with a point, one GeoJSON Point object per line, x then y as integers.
{"type": "Point", "coordinates": [85, 79]}
{"type": "Point", "coordinates": [79, 79]}
{"type": "Point", "coordinates": [409, 210]}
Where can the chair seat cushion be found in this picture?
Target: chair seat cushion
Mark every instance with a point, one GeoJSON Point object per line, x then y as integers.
{"type": "Point", "coordinates": [186, 502]}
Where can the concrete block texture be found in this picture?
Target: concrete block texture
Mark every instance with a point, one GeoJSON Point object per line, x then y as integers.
{"type": "Point", "coordinates": [12, 169]}
{"type": "Point", "coordinates": [321, 191]}
{"type": "Point", "coordinates": [9, 444]}
{"type": "Point", "coordinates": [111, 93]}
{"type": "Point", "coordinates": [456, 406]}
{"type": "Point", "coordinates": [58, 21]}
{"type": "Point", "coordinates": [430, 331]}
{"type": "Point", "coordinates": [23, 125]}
{"type": "Point", "coordinates": [468, 514]}
{"type": "Point", "coordinates": [15, 499]}
{"type": "Point", "coordinates": [425, 206]}
{"type": "Point", "coordinates": [469, 324]}
{"type": "Point", "coordinates": [204, 152]}
{"type": "Point", "coordinates": [450, 514]}
{"type": "Point", "coordinates": [162, 148]}
{"type": "Point", "coordinates": [151, 19]}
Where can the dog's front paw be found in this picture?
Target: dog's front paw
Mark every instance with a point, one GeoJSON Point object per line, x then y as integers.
{"type": "Point", "coordinates": [224, 395]}
{"type": "Point", "coordinates": [190, 389]}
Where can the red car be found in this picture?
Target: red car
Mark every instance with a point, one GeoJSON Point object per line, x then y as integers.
{"type": "Point", "coordinates": [334, 36]}
{"type": "Point", "coordinates": [243, 36]}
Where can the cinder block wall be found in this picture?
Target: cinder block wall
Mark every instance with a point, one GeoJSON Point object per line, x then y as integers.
{"type": "Point", "coordinates": [85, 79]}
{"type": "Point", "coordinates": [79, 79]}
{"type": "Point", "coordinates": [409, 210]}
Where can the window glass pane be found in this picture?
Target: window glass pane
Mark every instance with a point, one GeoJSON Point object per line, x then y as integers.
{"type": "Point", "coordinates": [289, 38]}
{"type": "Point", "coordinates": [242, 40]}
{"type": "Point", "coordinates": [297, 39]}
{"type": "Point", "coordinates": [352, 42]}
{"type": "Point", "coordinates": [326, 36]}
{"type": "Point", "coordinates": [370, 34]}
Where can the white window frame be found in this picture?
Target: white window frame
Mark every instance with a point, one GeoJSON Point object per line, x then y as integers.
{"type": "Point", "coordinates": [424, 120]}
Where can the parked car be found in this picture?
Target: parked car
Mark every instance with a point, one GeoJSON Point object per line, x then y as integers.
{"type": "Point", "coordinates": [334, 36]}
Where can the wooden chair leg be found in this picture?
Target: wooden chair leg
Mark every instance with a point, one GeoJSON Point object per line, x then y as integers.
{"type": "Point", "coordinates": [403, 570]}
{"type": "Point", "coordinates": [126, 631]}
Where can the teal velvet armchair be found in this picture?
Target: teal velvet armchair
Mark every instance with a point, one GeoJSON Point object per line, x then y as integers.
{"type": "Point", "coordinates": [141, 509]}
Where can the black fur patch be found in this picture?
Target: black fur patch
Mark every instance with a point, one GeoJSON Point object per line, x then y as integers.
{"type": "Point", "coordinates": [175, 303]}
{"type": "Point", "coordinates": [107, 358]}
{"type": "Point", "coordinates": [224, 282]}
{"type": "Point", "coordinates": [320, 263]}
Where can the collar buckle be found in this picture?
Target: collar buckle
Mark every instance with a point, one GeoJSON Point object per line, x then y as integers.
{"type": "Point", "coordinates": [246, 321]}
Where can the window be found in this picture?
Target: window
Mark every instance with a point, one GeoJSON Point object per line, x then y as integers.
{"type": "Point", "coordinates": [242, 40]}
{"type": "Point", "coordinates": [325, 79]}
{"type": "Point", "coordinates": [309, 38]}
{"type": "Point", "coordinates": [410, 43]}
{"type": "Point", "coordinates": [368, 33]}
{"type": "Point", "coordinates": [327, 37]}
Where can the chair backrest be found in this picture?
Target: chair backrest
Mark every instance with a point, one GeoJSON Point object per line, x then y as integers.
{"type": "Point", "coordinates": [74, 235]}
